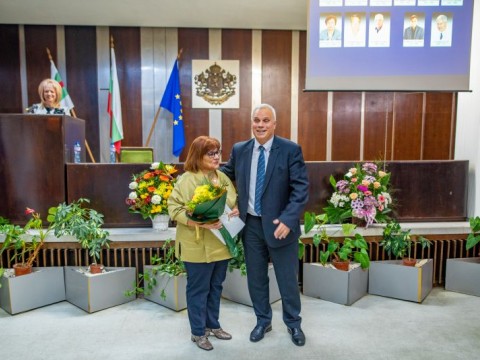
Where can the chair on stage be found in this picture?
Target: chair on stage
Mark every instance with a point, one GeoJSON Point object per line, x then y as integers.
{"type": "Point", "coordinates": [133, 154]}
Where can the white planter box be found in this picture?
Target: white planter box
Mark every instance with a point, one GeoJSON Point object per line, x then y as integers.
{"type": "Point", "coordinates": [100, 291]}
{"type": "Point", "coordinates": [175, 290]}
{"type": "Point", "coordinates": [44, 286]}
{"type": "Point", "coordinates": [341, 287]}
{"type": "Point", "coordinates": [463, 275]}
{"type": "Point", "coordinates": [392, 279]}
{"type": "Point", "coordinates": [235, 287]}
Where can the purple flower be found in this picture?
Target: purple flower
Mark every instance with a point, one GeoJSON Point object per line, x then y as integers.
{"type": "Point", "coordinates": [342, 186]}
{"type": "Point", "coordinates": [357, 204]}
{"type": "Point", "coordinates": [370, 168]}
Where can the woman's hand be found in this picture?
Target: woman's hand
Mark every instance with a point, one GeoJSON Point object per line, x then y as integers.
{"type": "Point", "coordinates": [234, 212]}
{"type": "Point", "coordinates": [210, 226]}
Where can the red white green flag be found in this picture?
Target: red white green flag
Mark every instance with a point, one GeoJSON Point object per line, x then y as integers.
{"type": "Point", "coordinates": [66, 101]}
{"type": "Point", "coordinates": [114, 106]}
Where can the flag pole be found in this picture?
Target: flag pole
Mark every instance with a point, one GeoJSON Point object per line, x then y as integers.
{"type": "Point", "coordinates": [158, 110]}
{"type": "Point", "coordinates": [75, 116]}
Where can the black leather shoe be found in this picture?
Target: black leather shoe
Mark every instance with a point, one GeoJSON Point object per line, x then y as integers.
{"type": "Point", "coordinates": [298, 337]}
{"type": "Point", "coordinates": [259, 331]}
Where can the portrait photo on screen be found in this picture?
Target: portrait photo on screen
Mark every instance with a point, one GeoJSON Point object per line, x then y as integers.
{"type": "Point", "coordinates": [355, 30]}
{"type": "Point", "coordinates": [330, 30]}
{"type": "Point", "coordinates": [379, 34]}
{"type": "Point", "coordinates": [442, 28]}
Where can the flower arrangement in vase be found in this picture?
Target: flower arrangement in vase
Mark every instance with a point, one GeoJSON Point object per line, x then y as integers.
{"type": "Point", "coordinates": [363, 193]}
{"type": "Point", "coordinates": [150, 191]}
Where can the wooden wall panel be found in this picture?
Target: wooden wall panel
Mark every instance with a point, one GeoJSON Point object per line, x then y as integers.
{"type": "Point", "coordinates": [276, 76]}
{"type": "Point", "coordinates": [377, 132]}
{"type": "Point", "coordinates": [346, 126]}
{"type": "Point", "coordinates": [407, 129]}
{"type": "Point", "coordinates": [312, 114]}
{"type": "Point", "coordinates": [236, 124]}
{"type": "Point", "coordinates": [128, 59]}
{"type": "Point", "coordinates": [37, 39]}
{"type": "Point", "coordinates": [81, 62]}
{"type": "Point", "coordinates": [11, 91]}
{"type": "Point", "coordinates": [195, 46]}
{"type": "Point", "coordinates": [439, 124]}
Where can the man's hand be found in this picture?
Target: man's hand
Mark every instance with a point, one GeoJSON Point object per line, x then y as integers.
{"type": "Point", "coordinates": [282, 230]}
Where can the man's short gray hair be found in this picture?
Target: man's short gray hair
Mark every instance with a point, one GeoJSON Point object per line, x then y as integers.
{"type": "Point", "coordinates": [264, 106]}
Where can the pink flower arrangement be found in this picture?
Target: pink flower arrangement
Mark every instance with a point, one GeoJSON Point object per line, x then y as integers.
{"type": "Point", "coordinates": [363, 193]}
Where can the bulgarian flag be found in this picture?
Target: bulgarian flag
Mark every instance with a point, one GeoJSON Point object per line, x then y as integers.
{"type": "Point", "coordinates": [66, 101]}
{"type": "Point", "coordinates": [114, 106]}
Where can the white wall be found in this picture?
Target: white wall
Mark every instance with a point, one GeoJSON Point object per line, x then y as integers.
{"type": "Point", "coordinates": [468, 121]}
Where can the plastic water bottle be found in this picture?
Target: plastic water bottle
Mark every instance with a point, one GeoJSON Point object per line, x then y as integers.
{"type": "Point", "coordinates": [113, 151]}
{"type": "Point", "coordinates": [77, 152]}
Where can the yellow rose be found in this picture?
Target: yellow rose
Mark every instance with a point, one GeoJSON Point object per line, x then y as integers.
{"type": "Point", "coordinates": [376, 185]}
{"type": "Point", "coordinates": [353, 196]}
{"type": "Point", "coordinates": [365, 183]}
{"type": "Point", "coordinates": [382, 173]}
{"type": "Point", "coordinates": [353, 171]}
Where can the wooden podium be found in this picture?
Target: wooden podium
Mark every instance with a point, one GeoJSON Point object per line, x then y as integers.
{"type": "Point", "coordinates": [33, 152]}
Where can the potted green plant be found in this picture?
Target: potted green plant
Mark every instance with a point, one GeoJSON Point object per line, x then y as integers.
{"type": "Point", "coordinates": [339, 282]}
{"type": "Point", "coordinates": [391, 278]}
{"type": "Point", "coordinates": [399, 243]}
{"type": "Point", "coordinates": [40, 287]}
{"type": "Point", "coordinates": [85, 225]}
{"type": "Point", "coordinates": [23, 242]}
{"type": "Point", "coordinates": [340, 253]}
{"type": "Point", "coordinates": [463, 274]}
{"type": "Point", "coordinates": [164, 280]}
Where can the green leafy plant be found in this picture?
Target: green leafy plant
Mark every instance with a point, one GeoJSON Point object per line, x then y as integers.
{"type": "Point", "coordinates": [238, 262]}
{"type": "Point", "coordinates": [168, 265]}
{"type": "Point", "coordinates": [24, 242]}
{"type": "Point", "coordinates": [399, 242]}
{"type": "Point", "coordinates": [82, 223]}
{"type": "Point", "coordinates": [474, 237]}
{"type": "Point", "coordinates": [352, 248]}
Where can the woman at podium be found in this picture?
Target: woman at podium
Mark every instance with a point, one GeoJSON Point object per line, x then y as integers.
{"type": "Point", "coordinates": [50, 92]}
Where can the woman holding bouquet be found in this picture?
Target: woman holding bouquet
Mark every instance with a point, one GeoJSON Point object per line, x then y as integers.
{"type": "Point", "coordinates": [205, 256]}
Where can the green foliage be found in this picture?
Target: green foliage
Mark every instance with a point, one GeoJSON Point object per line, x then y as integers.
{"type": "Point", "coordinates": [355, 248]}
{"type": "Point", "coordinates": [83, 223]}
{"type": "Point", "coordinates": [238, 262]}
{"type": "Point", "coordinates": [399, 242]}
{"type": "Point", "coordinates": [166, 265]}
{"type": "Point", "coordinates": [474, 237]}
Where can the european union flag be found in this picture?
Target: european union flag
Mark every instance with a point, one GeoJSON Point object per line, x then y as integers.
{"type": "Point", "coordinates": [172, 101]}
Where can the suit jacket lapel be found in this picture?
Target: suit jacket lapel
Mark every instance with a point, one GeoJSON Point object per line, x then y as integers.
{"type": "Point", "coordinates": [246, 156]}
{"type": "Point", "coordinates": [272, 158]}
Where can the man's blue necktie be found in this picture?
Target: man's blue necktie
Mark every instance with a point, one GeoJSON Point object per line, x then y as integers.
{"type": "Point", "coordinates": [260, 180]}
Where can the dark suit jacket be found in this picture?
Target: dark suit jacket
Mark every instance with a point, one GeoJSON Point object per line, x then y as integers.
{"type": "Point", "coordinates": [285, 190]}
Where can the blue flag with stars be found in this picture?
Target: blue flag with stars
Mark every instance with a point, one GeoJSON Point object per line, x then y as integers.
{"type": "Point", "coordinates": [172, 101]}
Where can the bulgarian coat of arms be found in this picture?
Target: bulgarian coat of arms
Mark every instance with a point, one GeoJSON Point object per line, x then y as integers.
{"type": "Point", "coordinates": [215, 85]}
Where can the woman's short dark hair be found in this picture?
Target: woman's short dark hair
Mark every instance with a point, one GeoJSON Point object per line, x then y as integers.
{"type": "Point", "coordinates": [199, 147]}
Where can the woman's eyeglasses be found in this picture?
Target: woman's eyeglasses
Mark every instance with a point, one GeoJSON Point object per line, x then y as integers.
{"type": "Point", "coordinates": [212, 154]}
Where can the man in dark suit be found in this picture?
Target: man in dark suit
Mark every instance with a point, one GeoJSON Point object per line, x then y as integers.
{"type": "Point", "coordinates": [272, 185]}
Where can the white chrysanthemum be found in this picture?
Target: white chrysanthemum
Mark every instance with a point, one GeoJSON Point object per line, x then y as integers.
{"type": "Point", "coordinates": [133, 185]}
{"type": "Point", "coordinates": [156, 199]}
{"type": "Point", "coordinates": [132, 195]}
{"type": "Point", "coordinates": [339, 200]}
{"type": "Point", "coordinates": [155, 166]}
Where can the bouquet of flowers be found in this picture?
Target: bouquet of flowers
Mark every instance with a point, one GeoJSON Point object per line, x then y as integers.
{"type": "Point", "coordinates": [363, 193]}
{"type": "Point", "coordinates": [208, 205]}
{"type": "Point", "coordinates": [151, 190]}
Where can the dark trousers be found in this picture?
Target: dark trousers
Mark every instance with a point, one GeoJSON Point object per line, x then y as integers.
{"type": "Point", "coordinates": [204, 288]}
{"type": "Point", "coordinates": [285, 263]}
